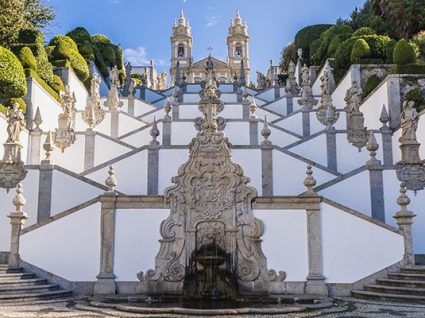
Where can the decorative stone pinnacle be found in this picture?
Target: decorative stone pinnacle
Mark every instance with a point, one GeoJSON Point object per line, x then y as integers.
{"type": "Point", "coordinates": [266, 132]}
{"type": "Point", "coordinates": [372, 146]}
{"type": "Point", "coordinates": [37, 120]}
{"type": "Point", "coordinates": [48, 147]}
{"type": "Point", "coordinates": [403, 200]}
{"type": "Point", "coordinates": [384, 118]}
{"type": "Point", "coordinates": [154, 133]}
{"type": "Point", "coordinates": [167, 107]}
{"type": "Point", "coordinates": [309, 180]}
{"type": "Point", "coordinates": [253, 109]}
{"type": "Point", "coordinates": [19, 200]}
{"type": "Point", "coordinates": [111, 182]}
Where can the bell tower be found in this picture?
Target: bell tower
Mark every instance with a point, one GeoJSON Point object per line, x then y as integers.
{"type": "Point", "coordinates": [238, 46]}
{"type": "Point", "coordinates": [181, 46]}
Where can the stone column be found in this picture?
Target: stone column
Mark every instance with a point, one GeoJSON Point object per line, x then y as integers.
{"type": "Point", "coordinates": [131, 105]}
{"type": "Point", "coordinates": [253, 132]}
{"type": "Point", "coordinates": [153, 161]}
{"type": "Point", "coordinates": [17, 220]}
{"type": "Point", "coordinates": [315, 280]}
{"type": "Point", "coordinates": [376, 180]}
{"type": "Point", "coordinates": [387, 141]}
{"type": "Point", "coordinates": [166, 131]}
{"type": "Point", "coordinates": [245, 108]}
{"type": "Point", "coordinates": [394, 101]}
{"type": "Point", "coordinates": [35, 139]}
{"type": "Point", "coordinates": [331, 149]}
{"type": "Point", "coordinates": [105, 283]}
{"type": "Point", "coordinates": [114, 123]}
{"type": "Point", "coordinates": [175, 111]}
{"type": "Point", "coordinates": [89, 146]}
{"type": "Point", "coordinates": [276, 92]}
{"type": "Point", "coordinates": [405, 221]}
{"type": "Point", "coordinates": [306, 122]}
{"type": "Point", "coordinates": [45, 191]}
{"type": "Point", "coordinates": [266, 161]}
{"type": "Point", "coordinates": [289, 103]}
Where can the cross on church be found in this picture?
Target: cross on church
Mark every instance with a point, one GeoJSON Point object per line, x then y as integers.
{"type": "Point", "coordinates": [209, 50]}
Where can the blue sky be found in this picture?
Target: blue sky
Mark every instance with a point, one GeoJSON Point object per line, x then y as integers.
{"type": "Point", "coordinates": [143, 27]}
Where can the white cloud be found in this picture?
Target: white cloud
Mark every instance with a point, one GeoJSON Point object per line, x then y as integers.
{"type": "Point", "coordinates": [138, 56]}
{"type": "Point", "coordinates": [114, 1]}
{"type": "Point", "coordinates": [211, 21]}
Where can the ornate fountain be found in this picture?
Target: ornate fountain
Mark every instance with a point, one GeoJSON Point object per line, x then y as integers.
{"type": "Point", "coordinates": [211, 241]}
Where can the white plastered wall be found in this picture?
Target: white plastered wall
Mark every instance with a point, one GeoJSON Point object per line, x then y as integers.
{"type": "Point", "coordinates": [372, 107]}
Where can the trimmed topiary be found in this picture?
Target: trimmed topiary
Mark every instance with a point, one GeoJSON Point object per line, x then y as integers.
{"type": "Point", "coordinates": [12, 76]}
{"type": "Point", "coordinates": [101, 38]}
{"type": "Point", "coordinates": [109, 56]}
{"type": "Point", "coordinates": [64, 41]}
{"type": "Point", "coordinates": [371, 83]}
{"type": "Point", "coordinates": [364, 31]}
{"type": "Point", "coordinates": [389, 49]}
{"type": "Point", "coordinates": [403, 53]}
{"type": "Point", "coordinates": [408, 69]}
{"type": "Point", "coordinates": [57, 84]}
{"type": "Point", "coordinates": [419, 39]}
{"type": "Point", "coordinates": [307, 35]}
{"type": "Point", "coordinates": [377, 44]}
{"type": "Point", "coordinates": [27, 59]}
{"type": "Point", "coordinates": [360, 51]}
{"type": "Point", "coordinates": [333, 46]}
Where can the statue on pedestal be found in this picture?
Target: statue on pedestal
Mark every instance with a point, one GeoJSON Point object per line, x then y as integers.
{"type": "Point", "coordinates": [93, 113]}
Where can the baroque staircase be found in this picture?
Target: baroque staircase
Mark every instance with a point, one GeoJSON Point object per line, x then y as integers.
{"type": "Point", "coordinates": [19, 285]}
{"type": "Point", "coordinates": [406, 286]}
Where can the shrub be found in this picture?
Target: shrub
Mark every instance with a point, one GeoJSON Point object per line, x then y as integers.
{"type": "Point", "coordinates": [408, 69]}
{"type": "Point", "coordinates": [416, 96]}
{"type": "Point", "coordinates": [377, 44]}
{"type": "Point", "coordinates": [289, 53]}
{"type": "Point", "coordinates": [419, 39]}
{"type": "Point", "coordinates": [109, 56]}
{"type": "Point", "coordinates": [360, 51]}
{"type": "Point", "coordinates": [86, 50]}
{"type": "Point", "coordinates": [20, 101]}
{"type": "Point", "coordinates": [364, 31]}
{"type": "Point", "coordinates": [57, 84]}
{"type": "Point", "coordinates": [404, 53]}
{"type": "Point", "coordinates": [371, 83]}
{"type": "Point", "coordinates": [333, 46]}
{"type": "Point", "coordinates": [101, 38]}
{"type": "Point", "coordinates": [343, 54]}
{"type": "Point", "coordinates": [66, 49]}
{"type": "Point", "coordinates": [12, 76]}
{"type": "Point", "coordinates": [27, 59]}
{"type": "Point", "coordinates": [389, 49]}
{"type": "Point", "coordinates": [309, 34]}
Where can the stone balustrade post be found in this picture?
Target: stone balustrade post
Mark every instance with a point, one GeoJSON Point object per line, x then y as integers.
{"type": "Point", "coordinates": [276, 92]}
{"type": "Point", "coordinates": [17, 220]}
{"type": "Point", "coordinates": [289, 103]}
{"type": "Point", "coordinates": [35, 146]}
{"type": "Point", "coordinates": [405, 221]}
{"type": "Point", "coordinates": [89, 147]}
{"type": "Point", "coordinates": [130, 109]}
{"type": "Point", "coordinates": [387, 141]}
{"type": "Point", "coordinates": [45, 186]}
{"type": "Point", "coordinates": [306, 122]}
{"type": "Point", "coordinates": [331, 149]}
{"type": "Point", "coordinates": [153, 161]}
{"type": "Point", "coordinates": [115, 115]}
{"type": "Point", "coordinates": [266, 161]}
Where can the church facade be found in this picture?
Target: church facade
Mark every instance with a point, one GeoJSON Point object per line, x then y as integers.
{"type": "Point", "coordinates": [193, 71]}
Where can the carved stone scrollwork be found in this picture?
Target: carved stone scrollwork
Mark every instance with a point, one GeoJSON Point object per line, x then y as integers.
{"type": "Point", "coordinates": [65, 135]}
{"type": "Point", "coordinates": [210, 201]}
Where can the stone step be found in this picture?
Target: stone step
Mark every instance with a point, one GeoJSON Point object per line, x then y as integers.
{"type": "Point", "coordinates": [41, 288]}
{"type": "Point", "coordinates": [7, 269]}
{"type": "Point", "coordinates": [388, 297]}
{"type": "Point", "coordinates": [36, 295]}
{"type": "Point", "coordinates": [395, 290]}
{"type": "Point", "coordinates": [413, 270]}
{"type": "Point", "coordinates": [23, 282]}
{"type": "Point", "coordinates": [12, 276]}
{"type": "Point", "coordinates": [407, 276]}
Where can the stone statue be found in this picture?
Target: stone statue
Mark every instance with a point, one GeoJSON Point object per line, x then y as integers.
{"type": "Point", "coordinates": [353, 98]}
{"type": "Point", "coordinates": [305, 75]}
{"type": "Point", "coordinates": [15, 124]}
{"type": "Point", "coordinates": [67, 101]}
{"type": "Point", "coordinates": [261, 81]}
{"type": "Point", "coordinates": [113, 99]}
{"type": "Point", "coordinates": [95, 87]}
{"type": "Point", "coordinates": [131, 88]}
{"type": "Point", "coordinates": [114, 76]}
{"type": "Point", "coordinates": [409, 122]}
{"type": "Point", "coordinates": [93, 113]}
{"type": "Point", "coordinates": [324, 85]}
{"type": "Point", "coordinates": [291, 82]}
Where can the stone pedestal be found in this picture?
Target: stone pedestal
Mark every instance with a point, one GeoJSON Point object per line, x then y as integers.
{"type": "Point", "coordinates": [131, 105]}
{"type": "Point", "coordinates": [35, 147]}
{"type": "Point", "coordinates": [153, 169]}
{"type": "Point", "coordinates": [267, 169]}
{"type": "Point", "coordinates": [45, 192]}
{"type": "Point", "coordinates": [306, 122]}
{"type": "Point", "coordinates": [89, 147]}
{"type": "Point", "coordinates": [253, 132]}
{"type": "Point", "coordinates": [17, 220]}
{"type": "Point", "coordinates": [331, 149]}
{"type": "Point", "coordinates": [105, 283]}
{"type": "Point", "coordinates": [166, 131]}
{"type": "Point", "coordinates": [114, 123]}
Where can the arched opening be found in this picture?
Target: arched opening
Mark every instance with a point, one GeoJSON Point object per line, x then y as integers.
{"type": "Point", "coordinates": [180, 50]}
{"type": "Point", "coordinates": [238, 50]}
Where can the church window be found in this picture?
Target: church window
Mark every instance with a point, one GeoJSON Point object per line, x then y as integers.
{"type": "Point", "coordinates": [180, 50]}
{"type": "Point", "coordinates": [238, 51]}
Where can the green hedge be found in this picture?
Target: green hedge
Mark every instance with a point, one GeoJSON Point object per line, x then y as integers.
{"type": "Point", "coordinates": [57, 84]}
{"type": "Point", "coordinates": [364, 31]}
{"type": "Point", "coordinates": [389, 49]}
{"type": "Point", "coordinates": [309, 34]}
{"type": "Point", "coordinates": [408, 69]}
{"type": "Point", "coordinates": [9, 103]}
{"type": "Point", "coordinates": [109, 56]}
{"type": "Point", "coordinates": [66, 49]}
{"type": "Point", "coordinates": [12, 77]}
{"type": "Point", "coordinates": [27, 59]}
{"type": "Point", "coordinates": [105, 45]}
{"type": "Point", "coordinates": [31, 73]}
{"type": "Point", "coordinates": [419, 40]}
{"type": "Point", "coordinates": [404, 53]}
{"type": "Point", "coordinates": [371, 83]}
{"type": "Point", "coordinates": [361, 50]}
{"type": "Point", "coordinates": [377, 44]}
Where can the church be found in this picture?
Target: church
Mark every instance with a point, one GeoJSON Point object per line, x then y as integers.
{"type": "Point", "coordinates": [226, 71]}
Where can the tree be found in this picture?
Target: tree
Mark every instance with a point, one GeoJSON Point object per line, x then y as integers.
{"type": "Point", "coordinates": [288, 54]}
{"type": "Point", "coordinates": [406, 17]}
{"type": "Point", "coordinates": [16, 15]}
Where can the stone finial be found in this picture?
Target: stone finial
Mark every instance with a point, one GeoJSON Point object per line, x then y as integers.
{"type": "Point", "coordinates": [245, 93]}
{"type": "Point", "coordinates": [253, 108]}
{"type": "Point", "coordinates": [167, 107]}
{"type": "Point", "coordinates": [48, 147]}
{"type": "Point", "coordinates": [384, 118]}
{"type": "Point", "coordinates": [310, 181]}
{"type": "Point", "coordinates": [111, 181]}
{"type": "Point", "coordinates": [372, 146]}
{"type": "Point", "coordinates": [154, 133]}
{"type": "Point", "coordinates": [37, 120]}
{"type": "Point", "coordinates": [403, 200]}
{"type": "Point", "coordinates": [19, 200]}
{"type": "Point", "coordinates": [266, 132]}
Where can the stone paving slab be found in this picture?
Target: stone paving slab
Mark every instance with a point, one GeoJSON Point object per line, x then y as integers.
{"type": "Point", "coordinates": [77, 308]}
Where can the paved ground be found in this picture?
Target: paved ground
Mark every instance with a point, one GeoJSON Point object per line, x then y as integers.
{"type": "Point", "coordinates": [77, 309]}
